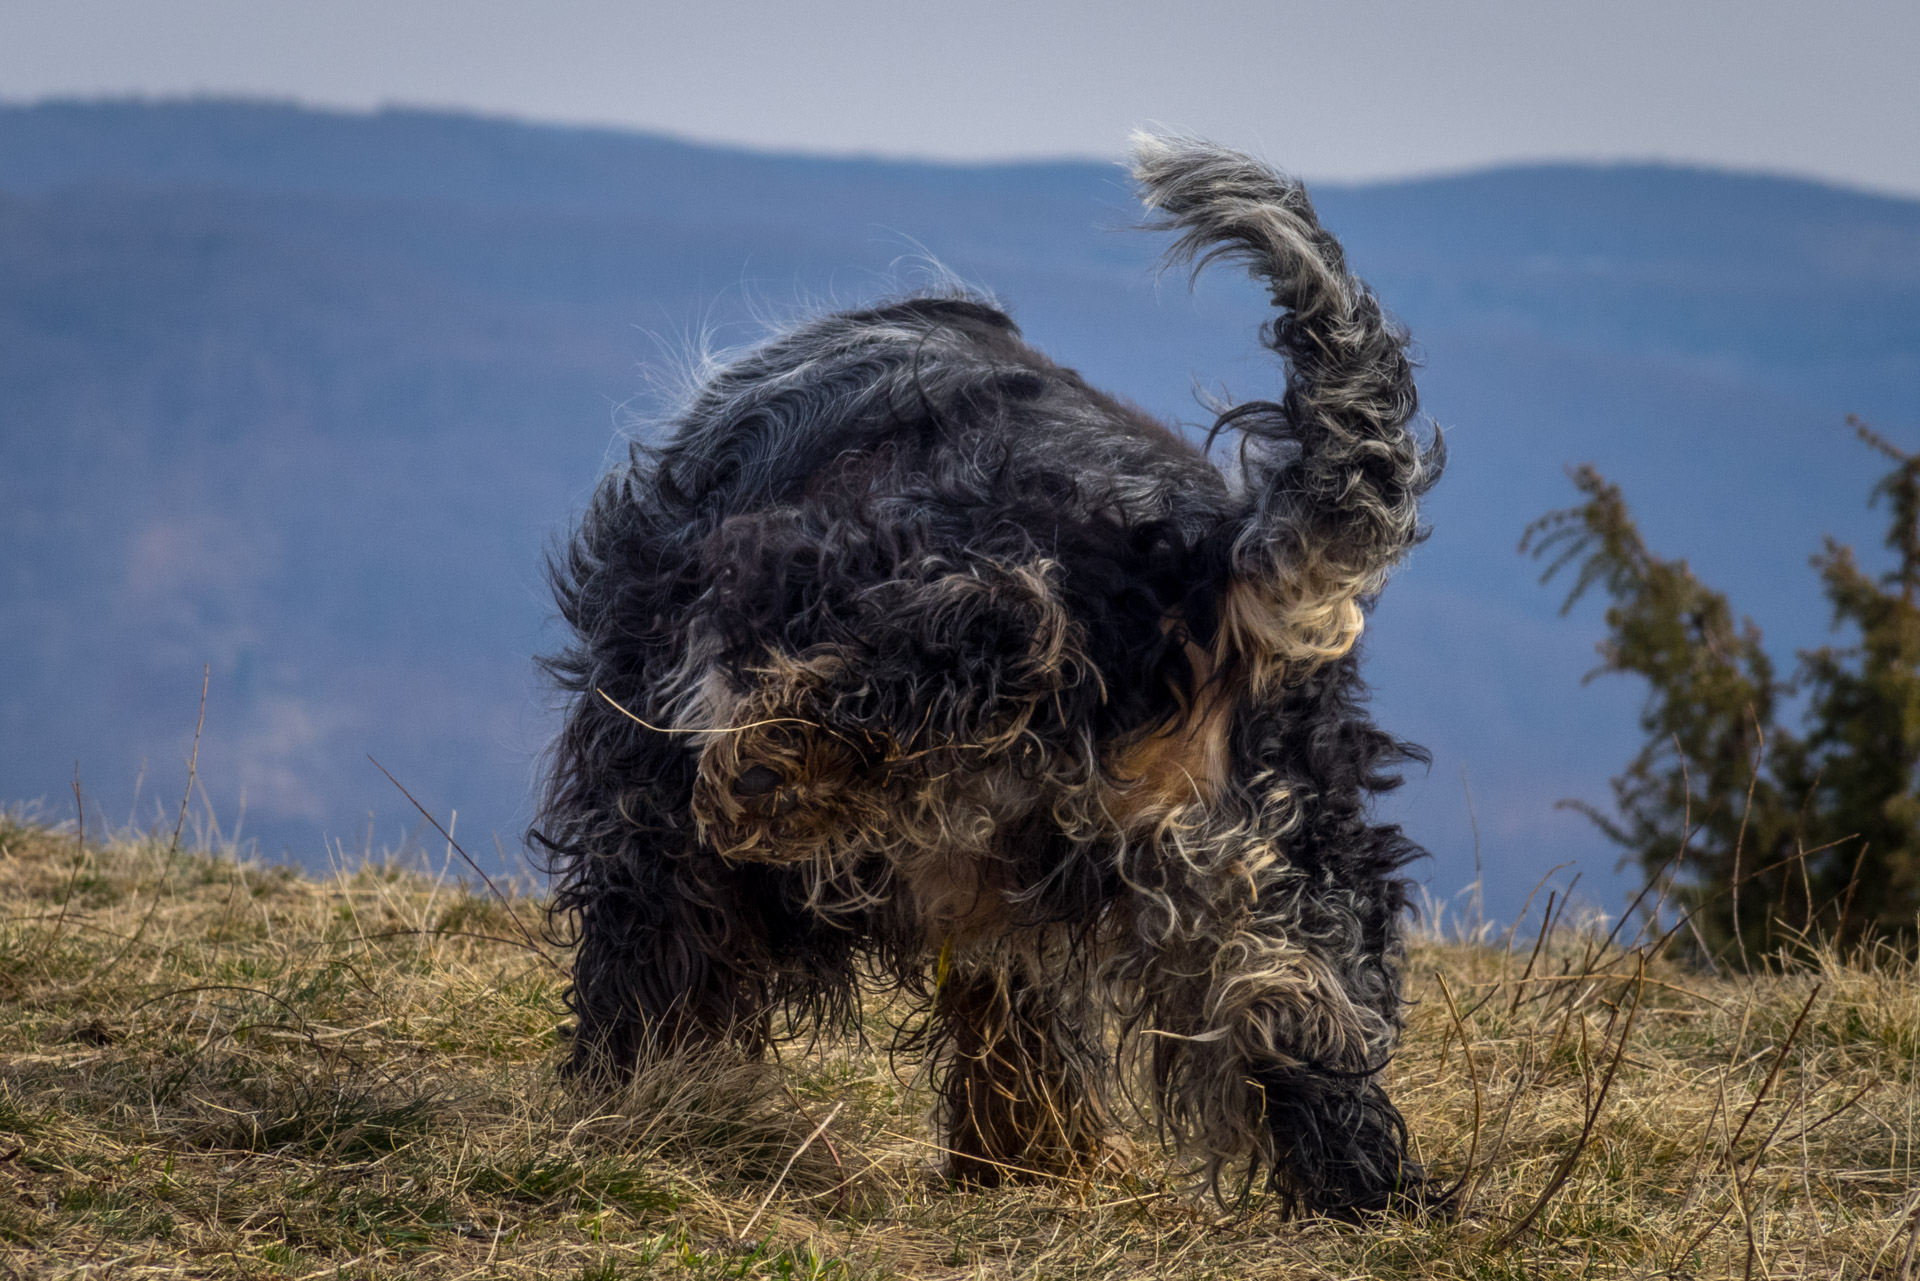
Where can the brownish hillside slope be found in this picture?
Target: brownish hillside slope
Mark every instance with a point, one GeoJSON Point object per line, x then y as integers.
{"type": "Point", "coordinates": [212, 1068]}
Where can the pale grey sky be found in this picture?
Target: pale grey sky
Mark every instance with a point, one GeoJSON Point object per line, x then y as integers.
{"type": "Point", "coordinates": [1330, 88]}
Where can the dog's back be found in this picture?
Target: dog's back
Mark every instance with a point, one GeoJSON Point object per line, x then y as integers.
{"type": "Point", "coordinates": [926, 380]}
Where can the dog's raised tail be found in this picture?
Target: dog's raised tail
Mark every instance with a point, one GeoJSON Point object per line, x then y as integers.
{"type": "Point", "coordinates": [1334, 471]}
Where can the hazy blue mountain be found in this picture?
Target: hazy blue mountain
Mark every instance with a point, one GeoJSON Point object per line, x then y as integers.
{"type": "Point", "coordinates": [306, 395]}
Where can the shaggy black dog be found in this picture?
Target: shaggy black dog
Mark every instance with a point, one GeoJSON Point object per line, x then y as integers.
{"type": "Point", "coordinates": [907, 658]}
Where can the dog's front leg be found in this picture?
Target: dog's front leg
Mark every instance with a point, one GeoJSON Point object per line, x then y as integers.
{"type": "Point", "coordinates": [1248, 1010]}
{"type": "Point", "coordinates": [1017, 1066]}
{"type": "Point", "coordinates": [671, 959]}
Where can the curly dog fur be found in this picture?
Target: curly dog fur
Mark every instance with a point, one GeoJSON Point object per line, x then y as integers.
{"type": "Point", "coordinates": [906, 658]}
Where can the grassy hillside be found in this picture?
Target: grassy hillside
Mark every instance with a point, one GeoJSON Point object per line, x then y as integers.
{"type": "Point", "coordinates": [216, 1068]}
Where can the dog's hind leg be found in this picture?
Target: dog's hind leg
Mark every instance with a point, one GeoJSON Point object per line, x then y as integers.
{"type": "Point", "coordinates": [1018, 1090]}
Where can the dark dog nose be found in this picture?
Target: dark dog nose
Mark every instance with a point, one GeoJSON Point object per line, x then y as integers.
{"type": "Point", "coordinates": [757, 780]}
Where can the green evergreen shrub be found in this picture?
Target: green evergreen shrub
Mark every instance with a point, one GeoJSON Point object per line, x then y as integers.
{"type": "Point", "coordinates": [1768, 836]}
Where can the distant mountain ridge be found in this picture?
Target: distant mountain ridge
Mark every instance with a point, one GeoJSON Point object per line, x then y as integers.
{"type": "Point", "coordinates": [304, 394]}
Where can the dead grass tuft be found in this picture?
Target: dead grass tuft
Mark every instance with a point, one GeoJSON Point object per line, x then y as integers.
{"type": "Point", "coordinates": [212, 1067]}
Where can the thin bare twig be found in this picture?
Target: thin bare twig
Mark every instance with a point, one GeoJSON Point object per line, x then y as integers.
{"type": "Point", "coordinates": [1519, 987]}
{"type": "Point", "coordinates": [1473, 1073]}
{"type": "Point", "coordinates": [479, 871]}
{"type": "Point", "coordinates": [179, 825]}
{"type": "Point", "coordinates": [1905, 1271]}
{"type": "Point", "coordinates": [1746, 1216]}
{"type": "Point", "coordinates": [767, 1200]}
{"type": "Point", "coordinates": [840, 1189]}
{"type": "Point", "coordinates": [1599, 1100]}
{"type": "Point", "coordinates": [1851, 1099]}
{"type": "Point", "coordinates": [1773, 1074]}
{"type": "Point", "coordinates": [80, 861]}
{"type": "Point", "coordinates": [1853, 883]}
{"type": "Point", "coordinates": [729, 729]}
{"type": "Point", "coordinates": [1739, 841]}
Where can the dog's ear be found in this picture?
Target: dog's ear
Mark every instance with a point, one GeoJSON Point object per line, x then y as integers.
{"type": "Point", "coordinates": [778, 781]}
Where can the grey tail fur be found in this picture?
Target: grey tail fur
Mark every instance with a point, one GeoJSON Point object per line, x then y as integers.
{"type": "Point", "coordinates": [1334, 471]}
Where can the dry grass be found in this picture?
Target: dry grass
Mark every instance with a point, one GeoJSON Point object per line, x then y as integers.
{"type": "Point", "coordinates": [212, 1068]}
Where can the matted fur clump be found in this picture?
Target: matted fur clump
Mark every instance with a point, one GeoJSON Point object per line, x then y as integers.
{"type": "Point", "coordinates": [906, 658]}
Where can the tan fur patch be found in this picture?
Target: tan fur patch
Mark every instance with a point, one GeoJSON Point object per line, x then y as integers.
{"type": "Point", "coordinates": [958, 896]}
{"type": "Point", "coordinates": [1295, 621]}
{"type": "Point", "coordinates": [1180, 763]}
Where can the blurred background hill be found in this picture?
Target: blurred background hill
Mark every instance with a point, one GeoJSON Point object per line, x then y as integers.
{"type": "Point", "coordinates": [305, 395]}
